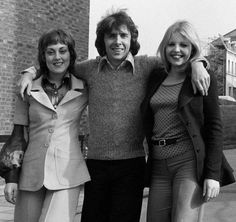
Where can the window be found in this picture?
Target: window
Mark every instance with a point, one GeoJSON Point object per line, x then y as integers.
{"type": "Point", "coordinates": [232, 67]}
{"type": "Point", "coordinates": [228, 70]}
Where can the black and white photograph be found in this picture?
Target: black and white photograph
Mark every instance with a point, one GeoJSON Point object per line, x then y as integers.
{"type": "Point", "coordinates": [117, 111]}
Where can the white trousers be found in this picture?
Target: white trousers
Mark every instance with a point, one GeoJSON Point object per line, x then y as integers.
{"type": "Point", "coordinates": [47, 205]}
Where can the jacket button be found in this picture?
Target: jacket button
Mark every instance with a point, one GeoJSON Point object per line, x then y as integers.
{"type": "Point", "coordinates": [54, 116]}
{"type": "Point", "coordinates": [50, 130]}
{"type": "Point", "coordinates": [46, 145]}
{"type": "Point", "coordinates": [198, 150]}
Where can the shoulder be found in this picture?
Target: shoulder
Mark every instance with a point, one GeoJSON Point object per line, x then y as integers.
{"type": "Point", "coordinates": [146, 59]}
{"type": "Point", "coordinates": [88, 62]}
{"type": "Point", "coordinates": [77, 82]}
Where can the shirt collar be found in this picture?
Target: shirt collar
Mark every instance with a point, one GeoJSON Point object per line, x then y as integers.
{"type": "Point", "coordinates": [128, 60]}
{"type": "Point", "coordinates": [74, 83]}
{"type": "Point", "coordinates": [66, 81]}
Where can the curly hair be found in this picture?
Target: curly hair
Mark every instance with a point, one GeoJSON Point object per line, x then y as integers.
{"type": "Point", "coordinates": [115, 20]}
{"type": "Point", "coordinates": [52, 37]}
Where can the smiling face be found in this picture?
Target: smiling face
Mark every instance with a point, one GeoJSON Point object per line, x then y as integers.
{"type": "Point", "coordinates": [117, 44]}
{"type": "Point", "coordinates": [178, 51]}
{"type": "Point", "coordinates": [57, 58]}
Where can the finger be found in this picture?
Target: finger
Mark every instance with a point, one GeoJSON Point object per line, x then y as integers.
{"type": "Point", "coordinates": [14, 196]}
{"type": "Point", "coordinates": [29, 88]}
{"type": "Point", "coordinates": [204, 190]}
{"type": "Point", "coordinates": [208, 194]}
{"type": "Point", "coordinates": [208, 81]}
{"type": "Point", "coordinates": [205, 87]}
{"type": "Point", "coordinates": [200, 88]}
{"type": "Point", "coordinates": [194, 88]}
{"type": "Point", "coordinates": [22, 92]}
{"type": "Point", "coordinates": [8, 198]}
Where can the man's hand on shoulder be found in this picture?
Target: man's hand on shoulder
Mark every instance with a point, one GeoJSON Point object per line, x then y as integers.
{"type": "Point", "coordinates": [200, 78]}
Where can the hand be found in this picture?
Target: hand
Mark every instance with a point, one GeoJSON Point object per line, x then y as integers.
{"type": "Point", "coordinates": [12, 152]}
{"type": "Point", "coordinates": [200, 78]}
{"type": "Point", "coordinates": [211, 189]}
{"type": "Point", "coordinates": [10, 192]}
{"type": "Point", "coordinates": [25, 82]}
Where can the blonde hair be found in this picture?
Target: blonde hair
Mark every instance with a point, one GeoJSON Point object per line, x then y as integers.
{"type": "Point", "coordinates": [187, 30]}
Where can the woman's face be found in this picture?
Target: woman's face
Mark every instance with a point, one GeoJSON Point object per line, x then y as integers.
{"type": "Point", "coordinates": [178, 50]}
{"type": "Point", "coordinates": [57, 58]}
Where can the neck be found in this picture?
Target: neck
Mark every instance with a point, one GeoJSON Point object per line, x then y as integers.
{"type": "Point", "coordinates": [175, 75]}
{"type": "Point", "coordinates": [56, 78]}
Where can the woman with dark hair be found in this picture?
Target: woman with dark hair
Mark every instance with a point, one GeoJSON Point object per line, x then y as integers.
{"type": "Point", "coordinates": [53, 166]}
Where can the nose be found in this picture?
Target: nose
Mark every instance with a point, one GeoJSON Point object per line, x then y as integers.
{"type": "Point", "coordinates": [177, 48]}
{"type": "Point", "coordinates": [118, 39]}
{"type": "Point", "coordinates": [57, 55]}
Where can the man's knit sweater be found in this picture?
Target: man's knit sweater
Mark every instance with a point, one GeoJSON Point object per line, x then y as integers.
{"type": "Point", "coordinates": [115, 96]}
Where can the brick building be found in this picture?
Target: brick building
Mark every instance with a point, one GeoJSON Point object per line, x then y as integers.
{"type": "Point", "coordinates": [21, 24]}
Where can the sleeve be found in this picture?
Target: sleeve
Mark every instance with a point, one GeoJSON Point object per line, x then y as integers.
{"type": "Point", "coordinates": [21, 116]}
{"type": "Point", "coordinates": [203, 60]}
{"type": "Point", "coordinates": [32, 70]}
{"type": "Point", "coordinates": [12, 176]}
{"type": "Point", "coordinates": [11, 154]}
{"type": "Point", "coordinates": [213, 131]}
{"type": "Point", "coordinates": [84, 69]}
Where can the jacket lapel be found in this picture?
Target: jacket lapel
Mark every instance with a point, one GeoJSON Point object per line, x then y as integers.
{"type": "Point", "coordinates": [38, 94]}
{"type": "Point", "coordinates": [158, 76]}
{"type": "Point", "coordinates": [76, 90]}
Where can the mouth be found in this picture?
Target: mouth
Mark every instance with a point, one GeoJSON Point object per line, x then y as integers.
{"type": "Point", "coordinates": [177, 56]}
{"type": "Point", "coordinates": [117, 50]}
{"type": "Point", "coordinates": [57, 64]}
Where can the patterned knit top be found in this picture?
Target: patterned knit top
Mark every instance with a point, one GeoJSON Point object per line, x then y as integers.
{"type": "Point", "coordinates": [167, 123]}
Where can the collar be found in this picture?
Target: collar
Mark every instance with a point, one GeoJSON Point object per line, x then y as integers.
{"type": "Point", "coordinates": [75, 83]}
{"type": "Point", "coordinates": [66, 81]}
{"type": "Point", "coordinates": [129, 60]}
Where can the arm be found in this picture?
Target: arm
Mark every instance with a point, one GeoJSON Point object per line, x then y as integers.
{"type": "Point", "coordinates": [11, 155]}
{"type": "Point", "coordinates": [213, 142]}
{"type": "Point", "coordinates": [200, 77]}
{"type": "Point", "coordinates": [25, 82]}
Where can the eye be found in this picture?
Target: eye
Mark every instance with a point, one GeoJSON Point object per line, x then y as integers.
{"type": "Point", "coordinates": [63, 51]}
{"type": "Point", "coordinates": [123, 35]}
{"type": "Point", "coordinates": [184, 45]}
{"type": "Point", "coordinates": [171, 44]}
{"type": "Point", "coordinates": [49, 52]}
{"type": "Point", "coordinates": [111, 35]}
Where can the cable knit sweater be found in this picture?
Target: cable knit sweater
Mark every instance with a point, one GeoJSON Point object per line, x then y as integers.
{"type": "Point", "coordinates": [115, 96]}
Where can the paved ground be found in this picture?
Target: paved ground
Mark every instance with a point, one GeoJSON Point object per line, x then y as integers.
{"type": "Point", "coordinates": [222, 209]}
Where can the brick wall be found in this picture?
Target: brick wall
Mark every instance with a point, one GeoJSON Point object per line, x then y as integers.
{"type": "Point", "coordinates": [21, 24]}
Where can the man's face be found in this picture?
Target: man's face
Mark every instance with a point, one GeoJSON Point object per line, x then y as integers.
{"type": "Point", "coordinates": [117, 44]}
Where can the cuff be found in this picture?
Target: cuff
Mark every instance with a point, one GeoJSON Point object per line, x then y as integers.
{"type": "Point", "coordinates": [204, 61]}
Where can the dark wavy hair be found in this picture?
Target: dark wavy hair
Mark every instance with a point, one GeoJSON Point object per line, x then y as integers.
{"type": "Point", "coordinates": [52, 37]}
{"type": "Point", "coordinates": [115, 20]}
